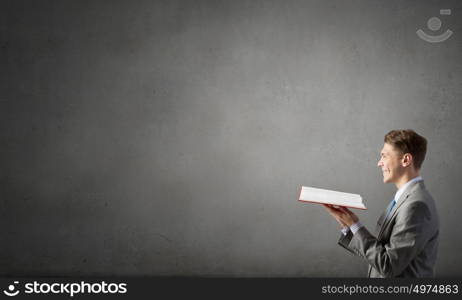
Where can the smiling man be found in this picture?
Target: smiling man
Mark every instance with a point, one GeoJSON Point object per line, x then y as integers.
{"type": "Point", "coordinates": [407, 233]}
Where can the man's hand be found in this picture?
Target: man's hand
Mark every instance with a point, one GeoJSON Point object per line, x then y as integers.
{"type": "Point", "coordinates": [343, 215]}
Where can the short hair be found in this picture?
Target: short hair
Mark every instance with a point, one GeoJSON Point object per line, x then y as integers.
{"type": "Point", "coordinates": [408, 141]}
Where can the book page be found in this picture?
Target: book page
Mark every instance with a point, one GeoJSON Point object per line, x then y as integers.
{"type": "Point", "coordinates": [331, 197]}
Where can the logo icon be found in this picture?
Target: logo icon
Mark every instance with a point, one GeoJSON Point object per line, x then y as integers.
{"type": "Point", "coordinates": [11, 292]}
{"type": "Point", "coordinates": [434, 24]}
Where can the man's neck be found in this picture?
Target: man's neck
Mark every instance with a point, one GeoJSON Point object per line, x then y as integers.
{"type": "Point", "coordinates": [406, 178]}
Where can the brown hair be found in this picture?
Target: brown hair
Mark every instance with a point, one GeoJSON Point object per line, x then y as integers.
{"type": "Point", "coordinates": [408, 141]}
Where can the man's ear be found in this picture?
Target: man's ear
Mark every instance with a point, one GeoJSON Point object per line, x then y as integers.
{"type": "Point", "coordinates": [407, 160]}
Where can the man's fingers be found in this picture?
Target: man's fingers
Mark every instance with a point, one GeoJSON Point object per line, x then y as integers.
{"type": "Point", "coordinates": [343, 215]}
{"type": "Point", "coordinates": [331, 209]}
{"type": "Point", "coordinates": [346, 210]}
{"type": "Point", "coordinates": [327, 207]}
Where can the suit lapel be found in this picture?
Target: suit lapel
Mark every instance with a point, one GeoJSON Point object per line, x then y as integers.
{"type": "Point", "coordinates": [380, 223]}
{"type": "Point", "coordinates": [401, 200]}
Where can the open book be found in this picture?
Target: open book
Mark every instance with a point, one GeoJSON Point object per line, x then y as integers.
{"type": "Point", "coordinates": [309, 194]}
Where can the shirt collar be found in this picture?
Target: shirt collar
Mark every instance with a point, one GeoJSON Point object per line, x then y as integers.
{"type": "Point", "coordinates": [403, 188]}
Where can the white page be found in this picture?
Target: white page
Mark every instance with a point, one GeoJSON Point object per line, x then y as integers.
{"type": "Point", "coordinates": [331, 197]}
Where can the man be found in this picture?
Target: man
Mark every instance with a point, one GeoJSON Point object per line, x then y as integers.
{"type": "Point", "coordinates": [407, 233]}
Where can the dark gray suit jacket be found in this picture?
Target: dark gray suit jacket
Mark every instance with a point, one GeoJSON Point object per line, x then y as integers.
{"type": "Point", "coordinates": [406, 244]}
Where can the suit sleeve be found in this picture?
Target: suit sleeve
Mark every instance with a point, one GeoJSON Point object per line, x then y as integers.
{"type": "Point", "coordinates": [345, 239]}
{"type": "Point", "coordinates": [408, 237]}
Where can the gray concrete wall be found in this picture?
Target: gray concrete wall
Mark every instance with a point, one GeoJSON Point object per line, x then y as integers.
{"type": "Point", "coordinates": [172, 137]}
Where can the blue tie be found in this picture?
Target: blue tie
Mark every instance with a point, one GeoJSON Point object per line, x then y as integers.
{"type": "Point", "coordinates": [390, 208]}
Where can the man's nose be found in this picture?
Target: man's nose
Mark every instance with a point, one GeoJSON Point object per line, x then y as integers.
{"type": "Point", "coordinates": [379, 164]}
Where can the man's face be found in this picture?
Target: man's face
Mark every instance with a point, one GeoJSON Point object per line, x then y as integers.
{"type": "Point", "coordinates": [390, 163]}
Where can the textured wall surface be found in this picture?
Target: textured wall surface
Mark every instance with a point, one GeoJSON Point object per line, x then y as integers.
{"type": "Point", "coordinates": [172, 137]}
